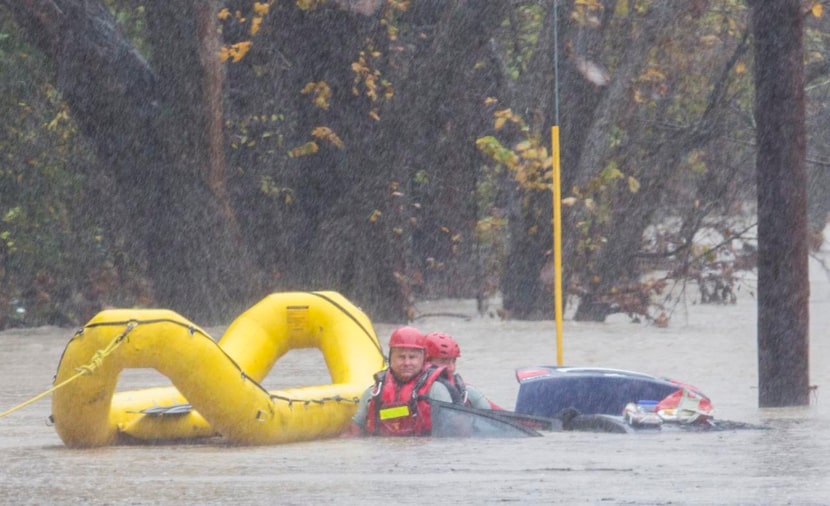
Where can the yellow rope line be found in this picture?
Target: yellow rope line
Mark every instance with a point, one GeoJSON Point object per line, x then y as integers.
{"type": "Point", "coordinates": [84, 370]}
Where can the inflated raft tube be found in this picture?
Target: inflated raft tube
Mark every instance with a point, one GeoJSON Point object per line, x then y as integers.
{"type": "Point", "coordinates": [219, 380]}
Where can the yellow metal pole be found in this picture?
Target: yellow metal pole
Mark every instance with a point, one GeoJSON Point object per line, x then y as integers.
{"type": "Point", "coordinates": [557, 242]}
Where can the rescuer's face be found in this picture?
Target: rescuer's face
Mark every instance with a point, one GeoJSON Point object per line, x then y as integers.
{"type": "Point", "coordinates": [447, 362]}
{"type": "Point", "coordinates": [406, 363]}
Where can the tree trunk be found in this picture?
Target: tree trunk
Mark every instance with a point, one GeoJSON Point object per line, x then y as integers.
{"type": "Point", "coordinates": [783, 277]}
{"type": "Point", "coordinates": [212, 105]}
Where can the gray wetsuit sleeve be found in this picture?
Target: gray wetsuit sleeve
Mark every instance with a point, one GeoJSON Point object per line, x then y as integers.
{"type": "Point", "coordinates": [439, 392]}
{"type": "Point", "coordinates": [359, 417]}
{"type": "Point", "coordinates": [477, 399]}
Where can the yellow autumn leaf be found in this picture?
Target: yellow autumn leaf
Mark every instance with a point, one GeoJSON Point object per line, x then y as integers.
{"type": "Point", "coordinates": [321, 93]}
{"type": "Point", "coordinates": [61, 116]}
{"type": "Point", "coordinates": [590, 204]}
{"type": "Point", "coordinates": [569, 201]}
{"type": "Point", "coordinates": [740, 67]}
{"type": "Point", "coordinates": [633, 184]}
{"type": "Point", "coordinates": [327, 134]}
{"type": "Point", "coordinates": [224, 14]}
{"type": "Point", "coordinates": [239, 50]}
{"type": "Point", "coordinates": [255, 24]}
{"type": "Point", "coordinates": [490, 101]}
{"type": "Point", "coordinates": [817, 9]}
{"type": "Point", "coordinates": [375, 216]}
{"type": "Point", "coordinates": [309, 148]}
{"type": "Point", "coordinates": [499, 123]}
{"type": "Point", "coordinates": [261, 8]}
{"type": "Point", "coordinates": [523, 146]}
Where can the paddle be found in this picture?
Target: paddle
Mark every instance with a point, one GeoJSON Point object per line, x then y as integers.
{"type": "Point", "coordinates": [454, 420]}
{"type": "Point", "coordinates": [530, 421]}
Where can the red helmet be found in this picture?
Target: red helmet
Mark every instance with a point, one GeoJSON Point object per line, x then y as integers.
{"type": "Point", "coordinates": [440, 345]}
{"type": "Point", "coordinates": [407, 337]}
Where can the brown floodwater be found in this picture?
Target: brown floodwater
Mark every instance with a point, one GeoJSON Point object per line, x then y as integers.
{"type": "Point", "coordinates": [711, 347]}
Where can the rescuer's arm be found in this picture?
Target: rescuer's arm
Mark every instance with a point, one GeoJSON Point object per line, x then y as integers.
{"type": "Point", "coordinates": [477, 399]}
{"type": "Point", "coordinates": [438, 392]}
{"type": "Point", "coordinates": [357, 427]}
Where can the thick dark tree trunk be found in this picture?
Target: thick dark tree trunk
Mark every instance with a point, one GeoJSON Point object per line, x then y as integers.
{"type": "Point", "coordinates": [783, 277]}
{"type": "Point", "coordinates": [129, 110]}
{"type": "Point", "coordinates": [525, 295]}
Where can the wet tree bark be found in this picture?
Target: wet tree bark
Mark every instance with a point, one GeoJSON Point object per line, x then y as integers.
{"type": "Point", "coordinates": [141, 120]}
{"type": "Point", "coordinates": [783, 277]}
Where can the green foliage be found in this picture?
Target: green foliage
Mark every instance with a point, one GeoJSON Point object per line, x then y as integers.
{"type": "Point", "coordinates": [528, 160]}
{"type": "Point", "coordinates": [257, 141]}
{"type": "Point", "coordinates": [130, 17]}
{"type": "Point", "coordinates": [592, 207]}
{"type": "Point", "coordinates": [519, 37]}
{"type": "Point", "coordinates": [45, 251]}
{"type": "Point", "coordinates": [270, 188]}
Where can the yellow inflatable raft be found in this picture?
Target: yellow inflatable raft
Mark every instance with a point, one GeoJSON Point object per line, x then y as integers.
{"type": "Point", "coordinates": [220, 381]}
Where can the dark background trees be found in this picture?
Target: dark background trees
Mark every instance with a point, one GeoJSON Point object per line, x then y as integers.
{"type": "Point", "coordinates": [350, 154]}
{"type": "Point", "coordinates": [148, 122]}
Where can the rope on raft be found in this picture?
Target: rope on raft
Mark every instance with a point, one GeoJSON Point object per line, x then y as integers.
{"type": "Point", "coordinates": [84, 370]}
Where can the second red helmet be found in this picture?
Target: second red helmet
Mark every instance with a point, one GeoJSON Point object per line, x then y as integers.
{"type": "Point", "coordinates": [440, 345]}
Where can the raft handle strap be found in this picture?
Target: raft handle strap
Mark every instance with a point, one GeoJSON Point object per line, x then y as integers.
{"type": "Point", "coordinates": [306, 402]}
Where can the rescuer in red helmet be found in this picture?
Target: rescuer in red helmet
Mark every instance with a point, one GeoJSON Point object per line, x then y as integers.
{"type": "Point", "coordinates": [398, 403]}
{"type": "Point", "coordinates": [443, 351]}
